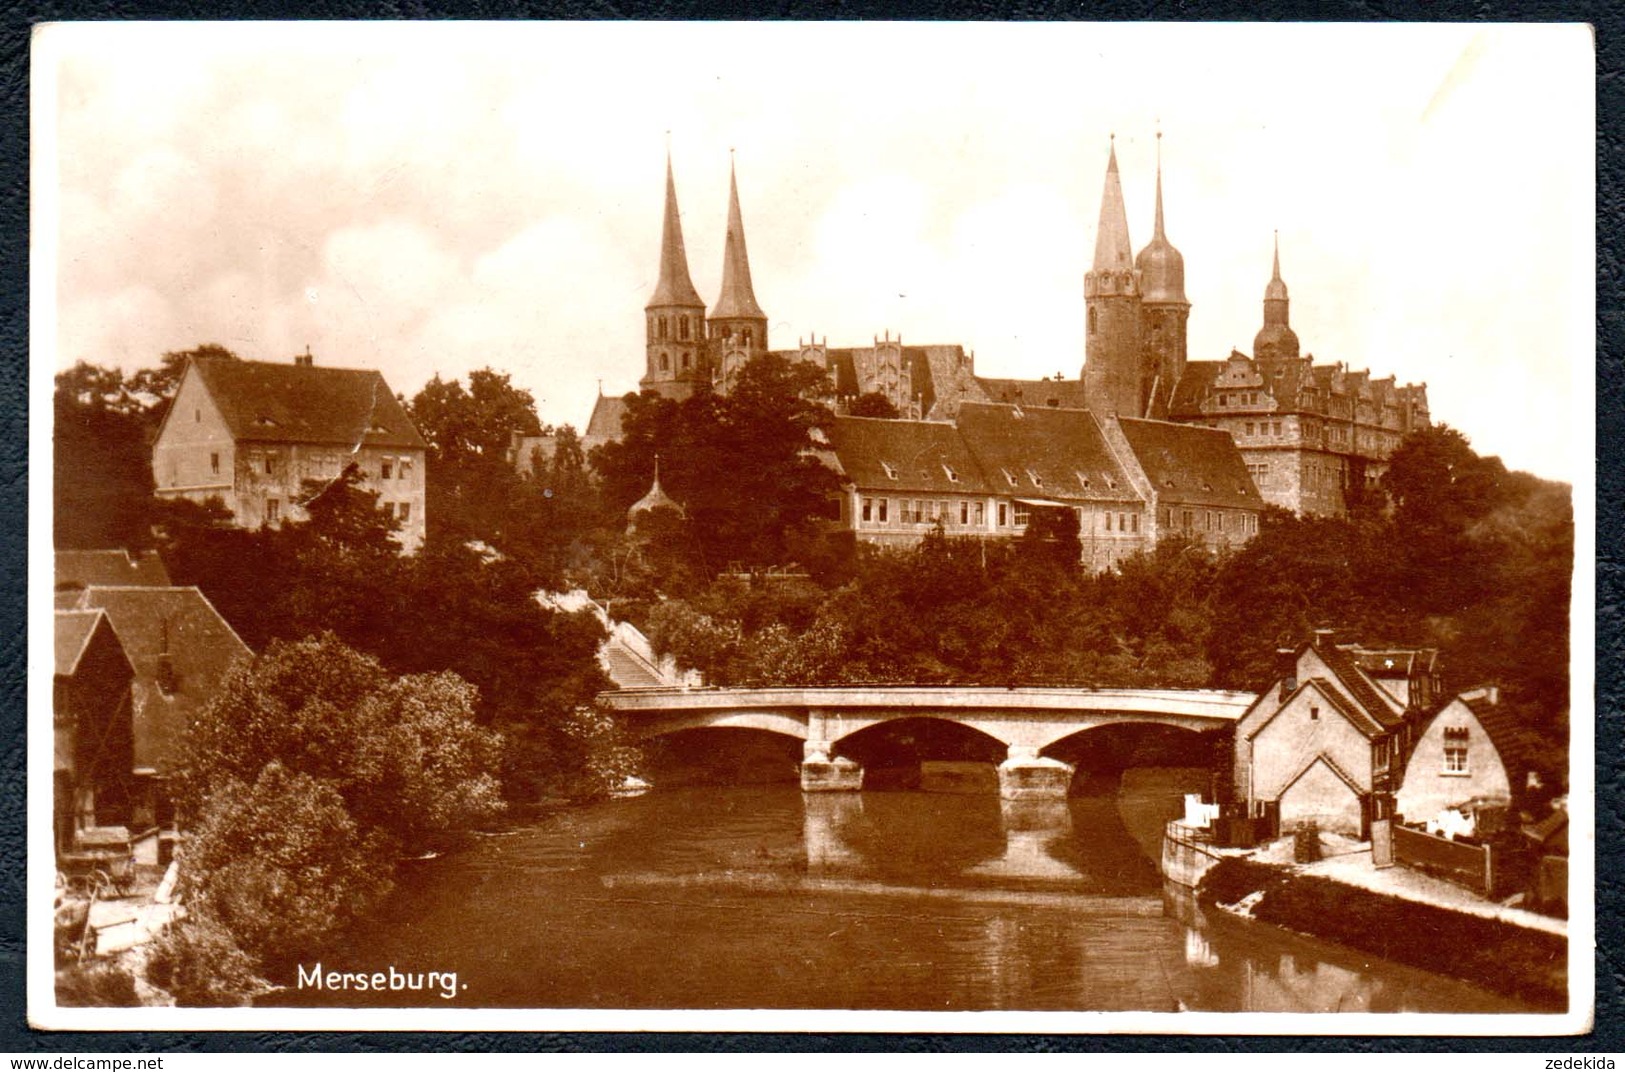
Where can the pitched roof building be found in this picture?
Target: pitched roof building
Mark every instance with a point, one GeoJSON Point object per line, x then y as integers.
{"type": "Point", "coordinates": [259, 435]}
{"type": "Point", "coordinates": [78, 570]}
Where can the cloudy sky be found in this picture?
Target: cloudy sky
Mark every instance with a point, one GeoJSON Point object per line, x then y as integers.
{"type": "Point", "coordinates": [437, 198]}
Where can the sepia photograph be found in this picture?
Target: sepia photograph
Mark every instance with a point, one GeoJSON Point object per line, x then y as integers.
{"type": "Point", "coordinates": [812, 527]}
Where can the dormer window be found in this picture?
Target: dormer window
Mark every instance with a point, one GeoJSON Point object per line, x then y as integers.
{"type": "Point", "coordinates": [1037, 480]}
{"type": "Point", "coordinates": [891, 470]}
{"type": "Point", "coordinates": [1111, 484]}
{"type": "Point", "coordinates": [1083, 481]}
{"type": "Point", "coordinates": [1009, 477]}
{"type": "Point", "coordinates": [953, 477]}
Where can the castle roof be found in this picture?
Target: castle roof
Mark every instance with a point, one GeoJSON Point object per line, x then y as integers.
{"type": "Point", "coordinates": [1035, 394]}
{"type": "Point", "coordinates": [178, 627]}
{"type": "Point", "coordinates": [914, 456]}
{"type": "Point", "coordinates": [604, 426]}
{"type": "Point", "coordinates": [1054, 453]}
{"type": "Point", "coordinates": [1113, 251]}
{"type": "Point", "coordinates": [674, 287]}
{"type": "Point", "coordinates": [655, 499]}
{"type": "Point", "coordinates": [1187, 463]}
{"type": "Point", "coordinates": [268, 402]}
{"type": "Point", "coordinates": [737, 299]}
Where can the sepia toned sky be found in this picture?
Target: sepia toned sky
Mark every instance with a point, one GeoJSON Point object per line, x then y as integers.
{"type": "Point", "coordinates": [428, 198]}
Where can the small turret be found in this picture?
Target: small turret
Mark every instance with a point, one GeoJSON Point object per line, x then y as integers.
{"type": "Point", "coordinates": [655, 499]}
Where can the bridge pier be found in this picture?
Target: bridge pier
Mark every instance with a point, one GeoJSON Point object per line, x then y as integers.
{"type": "Point", "coordinates": [822, 774]}
{"type": "Point", "coordinates": [1026, 775]}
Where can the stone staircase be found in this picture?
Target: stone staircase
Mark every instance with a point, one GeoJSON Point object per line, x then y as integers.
{"type": "Point", "coordinates": [626, 654]}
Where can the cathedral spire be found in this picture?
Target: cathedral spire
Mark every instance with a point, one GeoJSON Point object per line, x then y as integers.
{"type": "Point", "coordinates": [738, 298]}
{"type": "Point", "coordinates": [1276, 290]}
{"type": "Point", "coordinates": [1156, 231]}
{"type": "Point", "coordinates": [1276, 340]}
{"type": "Point", "coordinates": [1113, 251]}
{"type": "Point", "coordinates": [675, 287]}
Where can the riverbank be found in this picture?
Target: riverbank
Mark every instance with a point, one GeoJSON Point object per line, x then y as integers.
{"type": "Point", "coordinates": [1472, 943]}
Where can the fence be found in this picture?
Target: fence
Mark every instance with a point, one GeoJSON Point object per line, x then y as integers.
{"type": "Point", "coordinates": [1486, 868]}
{"type": "Point", "coordinates": [1187, 854]}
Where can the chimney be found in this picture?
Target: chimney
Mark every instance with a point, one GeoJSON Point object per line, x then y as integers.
{"type": "Point", "coordinates": [1286, 661]}
{"type": "Point", "coordinates": [304, 360]}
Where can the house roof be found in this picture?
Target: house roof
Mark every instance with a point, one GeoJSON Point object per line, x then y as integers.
{"type": "Point", "coordinates": [1191, 464]}
{"type": "Point", "coordinates": [1520, 750]}
{"type": "Point", "coordinates": [1193, 387]}
{"type": "Point", "coordinates": [1061, 448]}
{"type": "Point", "coordinates": [906, 456]}
{"type": "Point", "coordinates": [201, 647]}
{"type": "Point", "coordinates": [1392, 662]}
{"type": "Point", "coordinates": [81, 569]}
{"type": "Point", "coordinates": [1332, 766]}
{"type": "Point", "coordinates": [1350, 711]}
{"type": "Point", "coordinates": [268, 402]}
{"type": "Point", "coordinates": [1365, 692]}
{"type": "Point", "coordinates": [74, 628]}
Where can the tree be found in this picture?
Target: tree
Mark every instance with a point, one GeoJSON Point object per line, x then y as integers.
{"type": "Point", "coordinates": [156, 386]}
{"type": "Point", "coordinates": [102, 483]}
{"type": "Point", "coordinates": [743, 466]}
{"type": "Point", "coordinates": [873, 404]}
{"type": "Point", "coordinates": [405, 756]}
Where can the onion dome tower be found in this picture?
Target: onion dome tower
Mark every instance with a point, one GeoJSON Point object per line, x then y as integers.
{"type": "Point", "coordinates": [1111, 292]}
{"type": "Point", "coordinates": [1164, 311]}
{"type": "Point", "coordinates": [655, 499]}
{"type": "Point", "coordinates": [737, 327]}
{"type": "Point", "coordinates": [675, 314]}
{"type": "Point", "coordinates": [1276, 341]}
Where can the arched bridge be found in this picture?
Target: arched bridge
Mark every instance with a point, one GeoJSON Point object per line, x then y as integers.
{"type": "Point", "coordinates": [1025, 720]}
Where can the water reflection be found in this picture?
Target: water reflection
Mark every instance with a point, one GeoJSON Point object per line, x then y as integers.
{"type": "Point", "coordinates": [766, 898]}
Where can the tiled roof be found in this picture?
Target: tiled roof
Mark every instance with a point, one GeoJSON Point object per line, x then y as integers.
{"type": "Point", "coordinates": [1190, 464]}
{"type": "Point", "coordinates": [81, 569]}
{"type": "Point", "coordinates": [1061, 447]}
{"type": "Point", "coordinates": [1520, 750]}
{"type": "Point", "coordinates": [1364, 691]}
{"type": "Point", "coordinates": [201, 648]}
{"type": "Point", "coordinates": [269, 402]}
{"type": "Point", "coordinates": [1392, 662]}
{"type": "Point", "coordinates": [1193, 387]}
{"type": "Point", "coordinates": [906, 456]}
{"type": "Point", "coordinates": [73, 632]}
{"type": "Point", "coordinates": [1035, 394]}
{"type": "Point", "coordinates": [1368, 722]}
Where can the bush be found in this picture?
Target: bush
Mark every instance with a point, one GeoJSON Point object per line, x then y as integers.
{"type": "Point", "coordinates": [198, 963]}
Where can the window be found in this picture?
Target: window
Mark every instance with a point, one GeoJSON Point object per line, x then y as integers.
{"type": "Point", "coordinates": [1083, 481]}
{"type": "Point", "coordinates": [685, 362]}
{"type": "Point", "coordinates": [1122, 522]}
{"type": "Point", "coordinates": [197, 416]}
{"type": "Point", "coordinates": [406, 511]}
{"type": "Point", "coordinates": [1037, 480]}
{"type": "Point", "coordinates": [270, 465]}
{"type": "Point", "coordinates": [682, 328]}
{"type": "Point", "coordinates": [1314, 713]}
{"type": "Point", "coordinates": [1249, 427]}
{"type": "Point", "coordinates": [662, 327]}
{"type": "Point", "coordinates": [1134, 521]}
{"type": "Point", "coordinates": [868, 509]}
{"type": "Point", "coordinates": [1455, 750]}
{"type": "Point", "coordinates": [1002, 521]}
{"type": "Point", "coordinates": [1108, 521]}
{"type": "Point", "coordinates": [273, 510]}
{"type": "Point", "coordinates": [1277, 429]}
{"type": "Point", "coordinates": [1023, 515]}
{"type": "Point", "coordinates": [748, 337]}
{"type": "Point", "coordinates": [964, 512]}
{"type": "Point", "coordinates": [884, 503]}
{"type": "Point", "coordinates": [388, 509]}
{"type": "Point", "coordinates": [214, 464]}
{"type": "Point", "coordinates": [891, 470]}
{"type": "Point", "coordinates": [953, 477]}
{"type": "Point", "coordinates": [1009, 477]}
{"type": "Point", "coordinates": [981, 514]}
{"type": "Point", "coordinates": [406, 468]}
{"type": "Point", "coordinates": [1094, 320]}
{"type": "Point", "coordinates": [386, 469]}
{"type": "Point", "coordinates": [665, 363]}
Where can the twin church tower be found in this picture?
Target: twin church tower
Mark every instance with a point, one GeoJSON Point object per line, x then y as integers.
{"type": "Point", "coordinates": [1135, 351]}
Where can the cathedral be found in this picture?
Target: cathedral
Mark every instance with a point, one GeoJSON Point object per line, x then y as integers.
{"type": "Point", "coordinates": [1310, 436]}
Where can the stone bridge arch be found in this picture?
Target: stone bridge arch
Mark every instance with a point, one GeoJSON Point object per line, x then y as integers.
{"type": "Point", "coordinates": [789, 724]}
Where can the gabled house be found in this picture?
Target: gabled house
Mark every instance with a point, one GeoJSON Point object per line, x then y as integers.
{"type": "Point", "coordinates": [91, 724]}
{"type": "Point", "coordinates": [253, 434]}
{"type": "Point", "coordinates": [78, 570]}
{"type": "Point", "coordinates": [179, 650]}
{"type": "Point", "coordinates": [1471, 756]}
{"type": "Point", "coordinates": [1323, 744]}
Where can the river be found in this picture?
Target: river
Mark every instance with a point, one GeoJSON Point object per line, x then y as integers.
{"type": "Point", "coordinates": [762, 897]}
